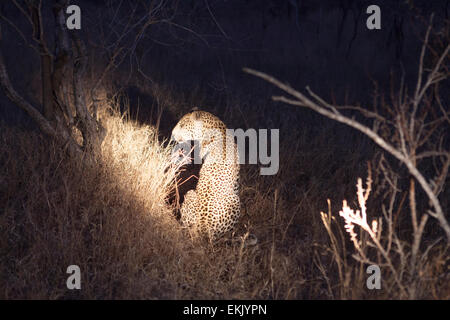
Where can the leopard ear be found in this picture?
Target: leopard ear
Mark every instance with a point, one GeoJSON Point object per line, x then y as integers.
{"type": "Point", "coordinates": [196, 115]}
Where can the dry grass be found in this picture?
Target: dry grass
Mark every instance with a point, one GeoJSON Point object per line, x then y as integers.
{"type": "Point", "coordinates": [112, 220]}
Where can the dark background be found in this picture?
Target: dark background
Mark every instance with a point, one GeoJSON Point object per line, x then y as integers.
{"type": "Point", "coordinates": [198, 48]}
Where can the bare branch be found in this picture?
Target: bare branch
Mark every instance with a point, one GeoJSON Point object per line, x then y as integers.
{"type": "Point", "coordinates": [404, 158]}
{"type": "Point", "coordinates": [21, 34]}
{"type": "Point", "coordinates": [17, 99]}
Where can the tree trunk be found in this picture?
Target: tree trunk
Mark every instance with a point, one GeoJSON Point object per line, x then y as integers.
{"type": "Point", "coordinates": [63, 69]}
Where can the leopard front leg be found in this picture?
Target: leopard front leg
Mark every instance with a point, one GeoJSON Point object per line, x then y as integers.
{"type": "Point", "coordinates": [190, 215]}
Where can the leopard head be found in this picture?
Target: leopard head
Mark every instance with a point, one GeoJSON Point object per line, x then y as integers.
{"type": "Point", "coordinates": [197, 125]}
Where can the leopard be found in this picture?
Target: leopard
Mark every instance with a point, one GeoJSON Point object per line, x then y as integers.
{"type": "Point", "coordinates": [213, 207]}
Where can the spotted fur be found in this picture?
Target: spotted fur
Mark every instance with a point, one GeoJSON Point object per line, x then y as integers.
{"type": "Point", "coordinates": [213, 208]}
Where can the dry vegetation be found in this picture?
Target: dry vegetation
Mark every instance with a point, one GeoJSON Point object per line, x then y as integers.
{"type": "Point", "coordinates": [411, 128]}
{"type": "Point", "coordinates": [111, 218]}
